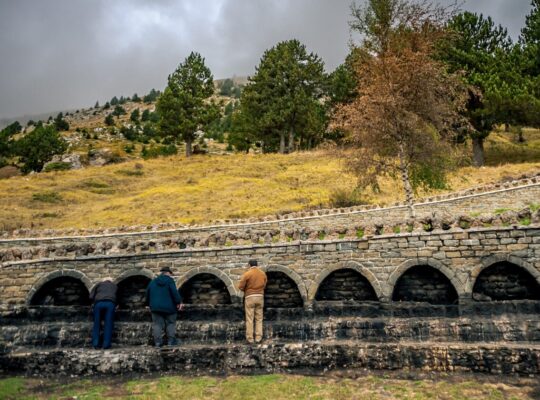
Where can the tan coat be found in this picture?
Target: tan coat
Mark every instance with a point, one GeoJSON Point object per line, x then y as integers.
{"type": "Point", "coordinates": [253, 282]}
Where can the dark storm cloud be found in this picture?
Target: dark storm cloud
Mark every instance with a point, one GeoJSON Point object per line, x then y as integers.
{"type": "Point", "coordinates": [64, 54]}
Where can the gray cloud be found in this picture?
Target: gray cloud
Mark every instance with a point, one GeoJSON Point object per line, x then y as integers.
{"type": "Point", "coordinates": [63, 54]}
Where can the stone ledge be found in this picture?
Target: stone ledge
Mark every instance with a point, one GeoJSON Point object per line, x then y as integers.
{"type": "Point", "coordinates": [519, 358]}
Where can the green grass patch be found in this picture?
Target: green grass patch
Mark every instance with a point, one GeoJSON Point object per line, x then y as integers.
{"type": "Point", "coordinates": [11, 388]}
{"type": "Point", "coordinates": [359, 233]}
{"type": "Point", "coordinates": [49, 215]}
{"type": "Point", "coordinates": [47, 197]}
{"type": "Point", "coordinates": [525, 221]}
{"type": "Point", "coordinates": [500, 211]}
{"type": "Point", "coordinates": [534, 207]}
{"type": "Point", "coordinates": [282, 387]}
{"type": "Point", "coordinates": [94, 184]}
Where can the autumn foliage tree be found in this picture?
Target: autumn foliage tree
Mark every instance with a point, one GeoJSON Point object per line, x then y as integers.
{"type": "Point", "coordinates": [406, 110]}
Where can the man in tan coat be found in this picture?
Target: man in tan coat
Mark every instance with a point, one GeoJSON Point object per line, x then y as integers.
{"type": "Point", "coordinates": [252, 283]}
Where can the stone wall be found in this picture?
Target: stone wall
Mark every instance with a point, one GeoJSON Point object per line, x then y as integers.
{"type": "Point", "coordinates": [473, 210]}
{"type": "Point", "coordinates": [345, 284]}
{"type": "Point", "coordinates": [205, 289]}
{"type": "Point", "coordinates": [301, 357]}
{"type": "Point", "coordinates": [422, 283]}
{"type": "Point", "coordinates": [460, 256]}
{"type": "Point", "coordinates": [341, 288]}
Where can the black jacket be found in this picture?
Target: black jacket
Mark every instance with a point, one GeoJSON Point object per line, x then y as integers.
{"type": "Point", "coordinates": [162, 295]}
{"type": "Point", "coordinates": [105, 290]}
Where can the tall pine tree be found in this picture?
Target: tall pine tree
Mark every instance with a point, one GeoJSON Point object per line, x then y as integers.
{"type": "Point", "coordinates": [184, 106]}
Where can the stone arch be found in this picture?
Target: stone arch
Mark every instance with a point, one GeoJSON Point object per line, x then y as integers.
{"type": "Point", "coordinates": [505, 277]}
{"type": "Point", "coordinates": [459, 286]}
{"type": "Point", "coordinates": [361, 269]}
{"type": "Point", "coordinates": [498, 258]}
{"type": "Point", "coordinates": [229, 285]}
{"type": "Point", "coordinates": [70, 274]}
{"type": "Point", "coordinates": [132, 286]}
{"type": "Point", "coordinates": [296, 284]}
{"type": "Point", "coordinates": [411, 282]}
{"type": "Point", "coordinates": [135, 272]}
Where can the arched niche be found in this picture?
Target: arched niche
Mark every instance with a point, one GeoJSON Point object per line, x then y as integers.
{"type": "Point", "coordinates": [505, 281]}
{"type": "Point", "coordinates": [205, 288]}
{"type": "Point", "coordinates": [345, 284]}
{"type": "Point", "coordinates": [132, 291]}
{"type": "Point", "coordinates": [63, 290]}
{"type": "Point", "coordinates": [281, 291]}
{"type": "Point", "coordinates": [423, 283]}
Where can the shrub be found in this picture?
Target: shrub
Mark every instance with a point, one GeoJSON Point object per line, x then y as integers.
{"type": "Point", "coordinates": [57, 166]}
{"type": "Point", "coordinates": [346, 198]}
{"type": "Point", "coordinates": [130, 172]}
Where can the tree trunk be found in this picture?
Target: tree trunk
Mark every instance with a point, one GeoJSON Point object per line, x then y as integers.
{"type": "Point", "coordinates": [478, 151]}
{"type": "Point", "coordinates": [521, 138]}
{"type": "Point", "coordinates": [291, 141]}
{"type": "Point", "coordinates": [282, 143]}
{"type": "Point", "coordinates": [409, 195]}
{"type": "Point", "coordinates": [189, 151]}
{"type": "Point", "coordinates": [507, 127]}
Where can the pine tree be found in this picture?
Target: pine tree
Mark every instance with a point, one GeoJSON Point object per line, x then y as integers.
{"type": "Point", "coordinates": [183, 106]}
{"type": "Point", "coordinates": [281, 104]}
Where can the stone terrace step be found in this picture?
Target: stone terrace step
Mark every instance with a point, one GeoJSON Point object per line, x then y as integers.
{"type": "Point", "coordinates": [320, 309]}
{"type": "Point", "coordinates": [75, 334]}
{"type": "Point", "coordinates": [515, 358]}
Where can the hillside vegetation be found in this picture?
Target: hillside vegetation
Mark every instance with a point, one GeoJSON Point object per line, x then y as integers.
{"type": "Point", "coordinates": [210, 187]}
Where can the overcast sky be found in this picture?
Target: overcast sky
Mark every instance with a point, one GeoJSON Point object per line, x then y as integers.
{"type": "Point", "coordinates": [66, 54]}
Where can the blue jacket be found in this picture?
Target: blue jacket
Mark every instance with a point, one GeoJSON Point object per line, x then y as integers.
{"type": "Point", "coordinates": [162, 295]}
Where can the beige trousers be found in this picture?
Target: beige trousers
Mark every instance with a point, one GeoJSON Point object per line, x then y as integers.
{"type": "Point", "coordinates": [254, 309]}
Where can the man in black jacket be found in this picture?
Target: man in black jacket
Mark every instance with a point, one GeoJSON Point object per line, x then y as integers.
{"type": "Point", "coordinates": [103, 297]}
{"type": "Point", "coordinates": [165, 301]}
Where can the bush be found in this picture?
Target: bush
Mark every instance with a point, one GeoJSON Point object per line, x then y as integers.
{"type": "Point", "coordinates": [156, 151]}
{"type": "Point", "coordinates": [39, 147]}
{"type": "Point", "coordinates": [340, 198]}
{"type": "Point", "coordinates": [57, 166]}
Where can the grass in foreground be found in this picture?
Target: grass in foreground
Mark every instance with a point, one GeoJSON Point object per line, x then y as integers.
{"type": "Point", "coordinates": [282, 387]}
{"type": "Point", "coordinates": [208, 188]}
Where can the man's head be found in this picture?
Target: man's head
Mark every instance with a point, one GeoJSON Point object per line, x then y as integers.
{"type": "Point", "coordinates": [166, 271]}
{"type": "Point", "coordinates": [252, 263]}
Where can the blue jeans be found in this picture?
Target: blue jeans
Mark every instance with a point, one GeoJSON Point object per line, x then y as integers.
{"type": "Point", "coordinates": [103, 310]}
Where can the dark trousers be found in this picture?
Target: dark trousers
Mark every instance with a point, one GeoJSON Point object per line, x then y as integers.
{"type": "Point", "coordinates": [103, 310]}
{"type": "Point", "coordinates": [161, 322]}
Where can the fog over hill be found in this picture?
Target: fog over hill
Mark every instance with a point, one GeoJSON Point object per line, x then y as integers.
{"type": "Point", "coordinates": [64, 54]}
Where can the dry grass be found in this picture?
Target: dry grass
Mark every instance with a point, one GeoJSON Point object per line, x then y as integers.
{"type": "Point", "coordinates": [196, 190]}
{"type": "Point", "coordinates": [212, 187]}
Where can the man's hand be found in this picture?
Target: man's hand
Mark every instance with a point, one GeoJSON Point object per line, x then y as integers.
{"type": "Point", "coordinates": [180, 306]}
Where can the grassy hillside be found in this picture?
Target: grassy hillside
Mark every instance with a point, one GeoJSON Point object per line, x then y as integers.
{"type": "Point", "coordinates": [196, 190]}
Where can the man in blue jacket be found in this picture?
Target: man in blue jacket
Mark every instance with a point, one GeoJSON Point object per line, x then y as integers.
{"type": "Point", "coordinates": [165, 301]}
